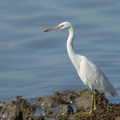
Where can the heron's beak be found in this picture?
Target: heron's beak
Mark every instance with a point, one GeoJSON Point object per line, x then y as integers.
{"type": "Point", "coordinates": [51, 29]}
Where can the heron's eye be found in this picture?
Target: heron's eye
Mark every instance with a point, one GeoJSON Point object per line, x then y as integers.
{"type": "Point", "coordinates": [61, 26]}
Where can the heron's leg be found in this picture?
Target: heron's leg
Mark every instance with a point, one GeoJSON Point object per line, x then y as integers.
{"type": "Point", "coordinates": [95, 104]}
{"type": "Point", "coordinates": [91, 110]}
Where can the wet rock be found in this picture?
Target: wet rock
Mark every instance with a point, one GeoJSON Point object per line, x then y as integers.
{"type": "Point", "coordinates": [47, 102]}
{"type": "Point", "coordinates": [10, 111]}
{"type": "Point", "coordinates": [27, 108]}
{"type": "Point", "coordinates": [84, 100]}
{"type": "Point", "coordinates": [66, 97]}
{"type": "Point", "coordinates": [67, 105]}
{"type": "Point", "coordinates": [118, 118]}
{"type": "Point", "coordinates": [61, 110]}
{"type": "Point", "coordinates": [34, 118]}
{"type": "Point", "coordinates": [64, 110]}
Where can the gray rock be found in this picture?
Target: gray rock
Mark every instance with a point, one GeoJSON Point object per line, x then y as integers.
{"type": "Point", "coordinates": [84, 100]}
{"type": "Point", "coordinates": [64, 110]}
{"type": "Point", "coordinates": [46, 102]}
{"type": "Point", "coordinates": [10, 111]}
{"type": "Point", "coordinates": [66, 97]}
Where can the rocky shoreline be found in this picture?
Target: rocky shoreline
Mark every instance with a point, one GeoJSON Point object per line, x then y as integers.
{"type": "Point", "coordinates": [67, 105]}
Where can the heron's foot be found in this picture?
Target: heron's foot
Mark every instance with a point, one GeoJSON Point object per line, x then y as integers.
{"type": "Point", "coordinates": [95, 107]}
{"type": "Point", "coordinates": [85, 113]}
{"type": "Point", "coordinates": [90, 111]}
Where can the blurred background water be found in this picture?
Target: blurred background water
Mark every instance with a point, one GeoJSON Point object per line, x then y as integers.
{"type": "Point", "coordinates": [33, 63]}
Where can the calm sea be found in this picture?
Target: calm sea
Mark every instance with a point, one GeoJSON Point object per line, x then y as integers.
{"type": "Point", "coordinates": [33, 63]}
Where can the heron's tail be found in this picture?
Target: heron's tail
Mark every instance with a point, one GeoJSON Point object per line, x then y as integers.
{"type": "Point", "coordinates": [112, 91]}
{"type": "Point", "coordinates": [114, 94]}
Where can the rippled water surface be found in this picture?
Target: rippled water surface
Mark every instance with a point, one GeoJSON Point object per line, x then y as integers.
{"type": "Point", "coordinates": [33, 63]}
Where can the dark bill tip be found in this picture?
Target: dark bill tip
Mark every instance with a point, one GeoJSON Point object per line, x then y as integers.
{"type": "Point", "coordinates": [46, 30]}
{"type": "Point", "coordinates": [51, 29]}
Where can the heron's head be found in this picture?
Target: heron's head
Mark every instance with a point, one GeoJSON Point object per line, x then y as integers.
{"type": "Point", "coordinates": [64, 25]}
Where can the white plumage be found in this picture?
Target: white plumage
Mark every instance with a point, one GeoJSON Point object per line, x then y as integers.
{"type": "Point", "coordinates": [88, 72]}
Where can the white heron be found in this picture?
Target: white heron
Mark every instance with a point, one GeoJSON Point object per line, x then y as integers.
{"type": "Point", "coordinates": [88, 72]}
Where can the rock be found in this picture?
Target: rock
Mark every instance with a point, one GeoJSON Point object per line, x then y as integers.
{"type": "Point", "coordinates": [26, 107]}
{"type": "Point", "coordinates": [46, 102]}
{"type": "Point", "coordinates": [63, 110]}
{"type": "Point", "coordinates": [65, 97]}
{"type": "Point", "coordinates": [84, 100]}
{"type": "Point", "coordinates": [60, 110]}
{"type": "Point", "coordinates": [67, 105]}
{"type": "Point", "coordinates": [34, 118]}
{"type": "Point", "coordinates": [118, 118]}
{"type": "Point", "coordinates": [10, 111]}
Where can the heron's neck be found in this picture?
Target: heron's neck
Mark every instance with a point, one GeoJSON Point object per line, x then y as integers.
{"type": "Point", "coordinates": [70, 49]}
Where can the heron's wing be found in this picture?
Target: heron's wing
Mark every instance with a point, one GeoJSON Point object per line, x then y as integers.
{"type": "Point", "coordinates": [92, 76]}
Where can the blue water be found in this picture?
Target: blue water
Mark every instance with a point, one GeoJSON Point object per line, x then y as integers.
{"type": "Point", "coordinates": [33, 63]}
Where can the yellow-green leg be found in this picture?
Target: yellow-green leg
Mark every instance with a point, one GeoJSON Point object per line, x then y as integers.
{"type": "Point", "coordinates": [94, 105]}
